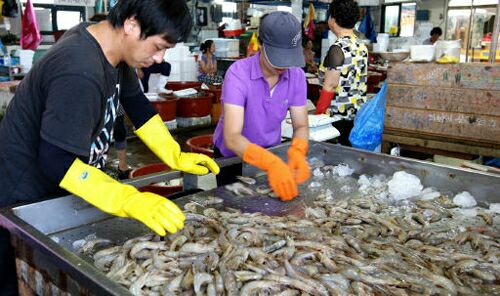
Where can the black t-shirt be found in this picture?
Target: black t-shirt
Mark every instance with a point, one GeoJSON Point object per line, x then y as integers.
{"type": "Point", "coordinates": [69, 99]}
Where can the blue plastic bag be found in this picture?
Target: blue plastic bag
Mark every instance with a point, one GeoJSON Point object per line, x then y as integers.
{"type": "Point", "coordinates": [367, 27]}
{"type": "Point", "coordinates": [369, 123]}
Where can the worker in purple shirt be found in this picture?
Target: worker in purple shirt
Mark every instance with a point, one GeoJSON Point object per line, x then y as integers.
{"type": "Point", "coordinates": [257, 93]}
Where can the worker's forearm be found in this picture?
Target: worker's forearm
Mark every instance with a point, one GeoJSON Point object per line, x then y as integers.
{"type": "Point", "coordinates": [301, 132]}
{"type": "Point", "coordinates": [331, 80]}
{"type": "Point", "coordinates": [236, 143]}
{"type": "Point", "coordinates": [329, 87]}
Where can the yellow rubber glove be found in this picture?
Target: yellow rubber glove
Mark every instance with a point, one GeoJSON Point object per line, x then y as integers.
{"type": "Point", "coordinates": [110, 196]}
{"type": "Point", "coordinates": [297, 160]}
{"type": "Point", "coordinates": [157, 137]}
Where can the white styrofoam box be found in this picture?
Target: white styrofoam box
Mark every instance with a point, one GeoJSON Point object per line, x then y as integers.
{"type": "Point", "coordinates": [422, 53]}
{"type": "Point", "coordinates": [376, 47]}
{"type": "Point", "coordinates": [228, 54]}
{"type": "Point", "coordinates": [369, 2]}
{"type": "Point", "coordinates": [189, 76]}
{"type": "Point", "coordinates": [175, 77]}
{"type": "Point", "coordinates": [175, 66]}
{"type": "Point", "coordinates": [208, 34]}
{"type": "Point", "coordinates": [223, 44]}
{"type": "Point", "coordinates": [320, 128]}
{"type": "Point", "coordinates": [189, 65]}
{"type": "Point", "coordinates": [233, 24]}
{"type": "Point", "coordinates": [383, 40]}
{"type": "Point", "coordinates": [179, 52]}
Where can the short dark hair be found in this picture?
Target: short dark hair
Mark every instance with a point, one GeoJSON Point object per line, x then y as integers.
{"type": "Point", "coordinates": [205, 46]}
{"type": "Point", "coordinates": [345, 13]}
{"type": "Point", "coordinates": [436, 30]}
{"type": "Point", "coordinates": [168, 17]}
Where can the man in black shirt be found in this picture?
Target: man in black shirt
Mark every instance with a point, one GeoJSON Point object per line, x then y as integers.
{"type": "Point", "coordinates": [57, 128]}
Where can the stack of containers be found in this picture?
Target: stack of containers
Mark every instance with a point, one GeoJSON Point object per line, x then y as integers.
{"type": "Point", "coordinates": [208, 34]}
{"type": "Point", "coordinates": [183, 63]}
{"type": "Point", "coordinates": [227, 48]}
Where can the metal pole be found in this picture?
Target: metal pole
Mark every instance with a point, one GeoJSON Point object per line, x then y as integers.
{"type": "Point", "coordinates": [445, 19]}
{"type": "Point", "coordinates": [469, 32]}
{"type": "Point", "coordinates": [494, 38]}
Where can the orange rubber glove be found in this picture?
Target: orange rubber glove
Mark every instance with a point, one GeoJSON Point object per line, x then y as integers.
{"type": "Point", "coordinates": [325, 98]}
{"type": "Point", "coordinates": [297, 160]}
{"type": "Point", "coordinates": [279, 175]}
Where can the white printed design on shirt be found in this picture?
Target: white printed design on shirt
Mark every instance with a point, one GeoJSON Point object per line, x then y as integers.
{"type": "Point", "coordinates": [99, 149]}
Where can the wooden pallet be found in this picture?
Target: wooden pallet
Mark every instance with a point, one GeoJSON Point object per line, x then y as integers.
{"type": "Point", "coordinates": [453, 108]}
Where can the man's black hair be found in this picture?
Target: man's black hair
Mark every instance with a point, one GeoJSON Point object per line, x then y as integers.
{"type": "Point", "coordinates": [168, 17]}
{"type": "Point", "coordinates": [436, 30]}
{"type": "Point", "coordinates": [345, 13]}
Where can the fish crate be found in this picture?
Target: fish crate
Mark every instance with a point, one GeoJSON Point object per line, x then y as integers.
{"type": "Point", "coordinates": [48, 264]}
{"type": "Point", "coordinates": [444, 107]}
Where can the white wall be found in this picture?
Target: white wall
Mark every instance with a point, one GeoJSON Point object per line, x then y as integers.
{"type": "Point", "coordinates": [437, 11]}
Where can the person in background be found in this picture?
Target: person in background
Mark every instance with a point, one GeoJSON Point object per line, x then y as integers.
{"type": "Point", "coordinates": [207, 64]}
{"type": "Point", "coordinates": [158, 85]}
{"type": "Point", "coordinates": [256, 94]}
{"type": "Point", "coordinates": [436, 32]}
{"type": "Point", "coordinates": [344, 69]}
{"type": "Point", "coordinates": [311, 65]}
{"type": "Point", "coordinates": [56, 132]}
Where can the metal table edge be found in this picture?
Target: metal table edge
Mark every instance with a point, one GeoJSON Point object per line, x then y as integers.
{"type": "Point", "coordinates": [74, 266]}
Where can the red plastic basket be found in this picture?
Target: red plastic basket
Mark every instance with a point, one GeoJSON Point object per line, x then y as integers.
{"type": "Point", "coordinates": [155, 188]}
{"type": "Point", "coordinates": [201, 144]}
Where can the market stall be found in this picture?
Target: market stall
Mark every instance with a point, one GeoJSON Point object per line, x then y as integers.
{"type": "Point", "coordinates": [57, 255]}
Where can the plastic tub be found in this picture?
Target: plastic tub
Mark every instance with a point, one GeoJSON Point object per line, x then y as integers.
{"type": "Point", "coordinates": [422, 53]}
{"type": "Point", "coordinates": [198, 105]}
{"type": "Point", "coordinates": [159, 189]}
{"type": "Point", "coordinates": [201, 144]}
{"type": "Point", "coordinates": [216, 91]}
{"type": "Point", "coordinates": [449, 49]}
{"type": "Point", "coordinates": [216, 112]}
{"type": "Point", "coordinates": [178, 85]}
{"type": "Point", "coordinates": [166, 106]}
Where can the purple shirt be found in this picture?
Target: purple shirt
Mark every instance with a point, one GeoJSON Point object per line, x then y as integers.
{"type": "Point", "coordinates": [244, 85]}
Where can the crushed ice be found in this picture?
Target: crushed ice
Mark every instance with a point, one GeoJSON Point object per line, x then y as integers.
{"type": "Point", "coordinates": [464, 200]}
{"type": "Point", "coordinates": [404, 186]}
{"type": "Point", "coordinates": [495, 208]}
{"type": "Point", "coordinates": [342, 170]}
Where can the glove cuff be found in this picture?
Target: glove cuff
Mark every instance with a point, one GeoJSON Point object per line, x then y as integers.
{"type": "Point", "coordinates": [325, 98]}
{"type": "Point", "coordinates": [259, 157]}
{"type": "Point", "coordinates": [300, 145]}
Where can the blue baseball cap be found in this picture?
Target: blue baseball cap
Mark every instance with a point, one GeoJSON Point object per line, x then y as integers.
{"type": "Point", "coordinates": [281, 36]}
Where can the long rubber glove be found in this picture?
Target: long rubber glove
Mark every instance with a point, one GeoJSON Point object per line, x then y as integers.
{"type": "Point", "coordinates": [110, 196]}
{"type": "Point", "coordinates": [297, 160]}
{"type": "Point", "coordinates": [157, 137]}
{"type": "Point", "coordinates": [325, 98]}
{"type": "Point", "coordinates": [278, 173]}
